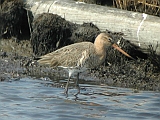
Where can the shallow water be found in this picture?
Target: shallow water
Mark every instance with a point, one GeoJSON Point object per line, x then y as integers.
{"type": "Point", "coordinates": [40, 99]}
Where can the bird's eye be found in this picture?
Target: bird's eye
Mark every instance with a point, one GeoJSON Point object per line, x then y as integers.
{"type": "Point", "coordinates": [110, 39]}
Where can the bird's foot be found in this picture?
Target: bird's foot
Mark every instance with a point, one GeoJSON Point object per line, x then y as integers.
{"type": "Point", "coordinates": [78, 88]}
{"type": "Point", "coordinates": [77, 93]}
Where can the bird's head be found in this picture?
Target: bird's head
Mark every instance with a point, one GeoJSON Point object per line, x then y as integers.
{"type": "Point", "coordinates": [105, 40]}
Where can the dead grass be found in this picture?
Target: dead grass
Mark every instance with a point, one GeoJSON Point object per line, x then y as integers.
{"type": "Point", "coordinates": [147, 6]}
{"type": "Point", "coordinates": [151, 7]}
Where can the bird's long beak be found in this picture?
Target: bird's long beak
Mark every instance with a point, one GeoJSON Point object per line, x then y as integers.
{"type": "Point", "coordinates": [119, 49]}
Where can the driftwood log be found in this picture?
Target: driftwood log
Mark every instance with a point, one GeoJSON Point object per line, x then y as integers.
{"type": "Point", "coordinates": [142, 32]}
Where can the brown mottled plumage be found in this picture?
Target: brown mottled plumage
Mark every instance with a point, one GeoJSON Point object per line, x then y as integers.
{"type": "Point", "coordinates": [80, 56]}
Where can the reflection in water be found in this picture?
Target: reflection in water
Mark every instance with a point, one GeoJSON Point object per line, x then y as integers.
{"type": "Point", "coordinates": [35, 99]}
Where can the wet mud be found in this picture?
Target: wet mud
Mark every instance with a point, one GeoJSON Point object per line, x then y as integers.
{"type": "Point", "coordinates": [48, 32]}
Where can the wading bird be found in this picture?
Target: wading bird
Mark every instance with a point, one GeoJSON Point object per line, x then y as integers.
{"type": "Point", "coordinates": [78, 57]}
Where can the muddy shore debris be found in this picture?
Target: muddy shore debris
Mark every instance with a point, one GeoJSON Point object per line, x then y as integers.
{"type": "Point", "coordinates": [21, 45]}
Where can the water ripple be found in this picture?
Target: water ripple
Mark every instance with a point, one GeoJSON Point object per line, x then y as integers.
{"type": "Point", "coordinates": [28, 99]}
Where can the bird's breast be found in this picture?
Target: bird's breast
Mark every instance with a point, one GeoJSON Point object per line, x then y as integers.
{"type": "Point", "coordinates": [90, 59]}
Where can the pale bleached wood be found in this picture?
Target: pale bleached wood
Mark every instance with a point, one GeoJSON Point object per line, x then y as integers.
{"type": "Point", "coordinates": [113, 19]}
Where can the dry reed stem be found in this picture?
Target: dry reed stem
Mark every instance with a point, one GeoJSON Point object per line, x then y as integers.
{"type": "Point", "coordinates": [123, 3]}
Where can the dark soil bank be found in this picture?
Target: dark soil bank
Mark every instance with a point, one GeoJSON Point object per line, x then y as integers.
{"type": "Point", "coordinates": [23, 41]}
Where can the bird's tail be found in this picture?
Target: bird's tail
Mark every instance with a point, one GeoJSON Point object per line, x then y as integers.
{"type": "Point", "coordinates": [48, 60]}
{"type": "Point", "coordinates": [45, 60]}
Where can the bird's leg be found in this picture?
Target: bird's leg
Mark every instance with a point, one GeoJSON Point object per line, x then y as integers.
{"type": "Point", "coordinates": [77, 85]}
{"type": "Point", "coordinates": [66, 88]}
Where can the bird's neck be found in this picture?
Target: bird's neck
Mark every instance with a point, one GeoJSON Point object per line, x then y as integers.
{"type": "Point", "coordinates": [100, 50]}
